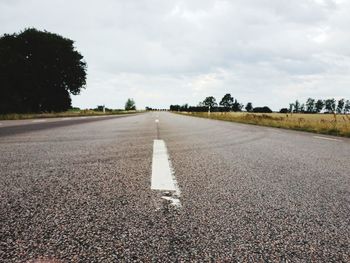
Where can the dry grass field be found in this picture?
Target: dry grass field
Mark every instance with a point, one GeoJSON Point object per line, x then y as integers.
{"type": "Point", "coordinates": [332, 124]}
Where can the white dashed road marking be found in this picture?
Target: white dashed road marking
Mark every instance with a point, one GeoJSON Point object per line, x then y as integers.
{"type": "Point", "coordinates": [327, 138]}
{"type": "Point", "coordinates": [163, 178]}
{"type": "Point", "coordinates": [38, 120]}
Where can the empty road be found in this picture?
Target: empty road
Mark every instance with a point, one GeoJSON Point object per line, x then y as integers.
{"type": "Point", "coordinates": [161, 187]}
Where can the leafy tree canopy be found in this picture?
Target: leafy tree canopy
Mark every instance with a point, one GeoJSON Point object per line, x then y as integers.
{"type": "Point", "coordinates": [210, 102]}
{"type": "Point", "coordinates": [330, 105]}
{"type": "Point", "coordinates": [264, 109]}
{"type": "Point", "coordinates": [340, 106]}
{"type": "Point", "coordinates": [130, 105]}
{"type": "Point", "coordinates": [347, 106]}
{"type": "Point", "coordinates": [249, 107]}
{"type": "Point", "coordinates": [227, 101]}
{"type": "Point", "coordinates": [319, 106]}
{"type": "Point", "coordinates": [310, 105]}
{"type": "Point", "coordinates": [236, 106]}
{"type": "Point", "coordinates": [284, 110]}
{"type": "Point", "coordinates": [39, 71]}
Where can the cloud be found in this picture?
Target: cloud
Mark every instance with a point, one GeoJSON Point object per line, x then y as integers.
{"type": "Point", "coordinates": [161, 52]}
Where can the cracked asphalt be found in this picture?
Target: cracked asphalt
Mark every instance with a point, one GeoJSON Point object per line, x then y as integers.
{"type": "Point", "coordinates": [79, 191]}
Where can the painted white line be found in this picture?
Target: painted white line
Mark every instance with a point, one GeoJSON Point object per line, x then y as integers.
{"type": "Point", "coordinates": [327, 138]}
{"type": "Point", "coordinates": [157, 121]}
{"type": "Point", "coordinates": [65, 119]}
{"type": "Point", "coordinates": [163, 178]}
{"type": "Point", "coordinates": [38, 120]}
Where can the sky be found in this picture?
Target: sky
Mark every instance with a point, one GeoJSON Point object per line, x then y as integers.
{"type": "Point", "coordinates": [160, 52]}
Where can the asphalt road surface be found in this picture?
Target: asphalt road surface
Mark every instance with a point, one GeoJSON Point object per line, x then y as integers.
{"type": "Point", "coordinates": [85, 190]}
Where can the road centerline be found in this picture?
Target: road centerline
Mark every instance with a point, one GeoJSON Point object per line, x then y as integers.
{"type": "Point", "coordinates": [157, 124]}
{"type": "Point", "coordinates": [163, 178]}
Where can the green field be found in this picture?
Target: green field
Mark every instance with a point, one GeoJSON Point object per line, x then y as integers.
{"type": "Point", "coordinates": [332, 124]}
{"type": "Point", "coordinates": [72, 113]}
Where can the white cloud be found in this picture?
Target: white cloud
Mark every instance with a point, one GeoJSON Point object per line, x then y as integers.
{"type": "Point", "coordinates": [162, 52]}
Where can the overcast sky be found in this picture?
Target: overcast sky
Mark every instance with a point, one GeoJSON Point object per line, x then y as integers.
{"type": "Point", "coordinates": [160, 52]}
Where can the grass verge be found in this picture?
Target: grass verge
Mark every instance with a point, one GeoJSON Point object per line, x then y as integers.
{"type": "Point", "coordinates": [75, 113]}
{"type": "Point", "coordinates": [330, 124]}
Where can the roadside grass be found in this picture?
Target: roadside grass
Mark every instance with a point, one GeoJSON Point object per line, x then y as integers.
{"type": "Point", "coordinates": [69, 113]}
{"type": "Point", "coordinates": [330, 124]}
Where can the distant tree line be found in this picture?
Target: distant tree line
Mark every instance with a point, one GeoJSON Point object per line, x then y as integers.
{"type": "Point", "coordinates": [227, 104]}
{"type": "Point", "coordinates": [155, 109]}
{"type": "Point", "coordinates": [230, 104]}
{"type": "Point", "coordinates": [317, 106]}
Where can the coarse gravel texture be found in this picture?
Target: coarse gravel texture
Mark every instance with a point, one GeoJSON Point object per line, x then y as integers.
{"type": "Point", "coordinates": [81, 193]}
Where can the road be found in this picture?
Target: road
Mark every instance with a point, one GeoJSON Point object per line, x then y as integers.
{"type": "Point", "coordinates": [86, 191]}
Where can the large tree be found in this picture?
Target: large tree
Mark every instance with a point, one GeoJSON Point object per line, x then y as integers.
{"type": "Point", "coordinates": [236, 106]}
{"type": "Point", "coordinates": [347, 106]}
{"type": "Point", "coordinates": [130, 105]}
{"type": "Point", "coordinates": [310, 105]}
{"type": "Point", "coordinates": [340, 106]}
{"type": "Point", "coordinates": [210, 102]}
{"type": "Point", "coordinates": [330, 105]}
{"type": "Point", "coordinates": [291, 106]}
{"type": "Point", "coordinates": [319, 106]}
{"type": "Point", "coordinates": [297, 106]}
{"type": "Point", "coordinates": [249, 107]}
{"type": "Point", "coordinates": [39, 70]}
{"type": "Point", "coordinates": [227, 101]}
